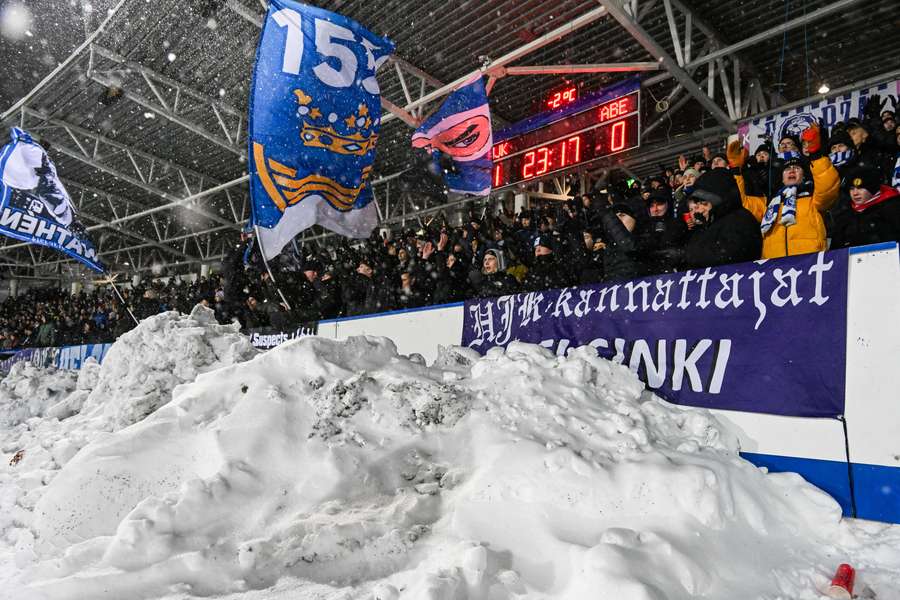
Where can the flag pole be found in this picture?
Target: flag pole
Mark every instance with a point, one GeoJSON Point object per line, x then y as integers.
{"type": "Point", "coordinates": [112, 282]}
{"type": "Point", "coordinates": [269, 270]}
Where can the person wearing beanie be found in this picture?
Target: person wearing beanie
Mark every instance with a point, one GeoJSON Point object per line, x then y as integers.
{"type": "Point", "coordinates": [759, 170]}
{"type": "Point", "coordinates": [718, 160]}
{"type": "Point", "coordinates": [724, 231]}
{"type": "Point", "coordinates": [875, 210]}
{"type": "Point", "coordinates": [791, 219]}
{"type": "Point", "coordinates": [663, 234]}
{"type": "Point", "coordinates": [545, 272]}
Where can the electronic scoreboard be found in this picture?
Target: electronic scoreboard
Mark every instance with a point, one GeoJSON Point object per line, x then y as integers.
{"type": "Point", "coordinates": [579, 132]}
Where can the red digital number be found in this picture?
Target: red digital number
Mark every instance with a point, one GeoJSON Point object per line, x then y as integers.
{"type": "Point", "coordinates": [554, 100]}
{"type": "Point", "coordinates": [498, 174]}
{"type": "Point", "coordinates": [618, 136]}
{"type": "Point", "coordinates": [528, 167]}
{"type": "Point", "coordinates": [577, 144]}
{"type": "Point", "coordinates": [543, 161]}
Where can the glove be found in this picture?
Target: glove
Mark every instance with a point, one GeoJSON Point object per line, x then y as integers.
{"type": "Point", "coordinates": [873, 107]}
{"type": "Point", "coordinates": [736, 154]}
{"type": "Point", "coordinates": [812, 141]}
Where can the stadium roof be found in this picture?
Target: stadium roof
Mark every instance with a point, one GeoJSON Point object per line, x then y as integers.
{"type": "Point", "coordinates": [144, 102]}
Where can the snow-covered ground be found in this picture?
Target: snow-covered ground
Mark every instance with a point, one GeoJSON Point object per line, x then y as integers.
{"type": "Point", "coordinates": [189, 465]}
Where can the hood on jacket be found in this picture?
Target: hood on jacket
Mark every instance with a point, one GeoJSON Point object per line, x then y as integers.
{"type": "Point", "coordinates": [719, 188]}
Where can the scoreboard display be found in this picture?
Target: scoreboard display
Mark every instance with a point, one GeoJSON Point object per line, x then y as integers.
{"type": "Point", "coordinates": [581, 132]}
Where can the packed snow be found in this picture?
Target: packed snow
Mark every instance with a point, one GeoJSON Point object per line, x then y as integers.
{"type": "Point", "coordinates": [188, 464]}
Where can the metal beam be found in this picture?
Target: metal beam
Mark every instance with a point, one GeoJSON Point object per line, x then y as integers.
{"type": "Point", "coordinates": [544, 40]}
{"type": "Point", "coordinates": [140, 184]}
{"type": "Point", "coordinates": [617, 11]}
{"type": "Point", "coordinates": [572, 69]}
{"type": "Point", "coordinates": [171, 116]}
{"type": "Point", "coordinates": [165, 80]}
{"type": "Point", "coordinates": [821, 13]}
{"type": "Point", "coordinates": [24, 100]}
{"type": "Point", "coordinates": [171, 168]}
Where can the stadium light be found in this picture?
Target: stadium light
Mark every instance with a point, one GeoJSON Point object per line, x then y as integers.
{"type": "Point", "coordinates": [824, 89]}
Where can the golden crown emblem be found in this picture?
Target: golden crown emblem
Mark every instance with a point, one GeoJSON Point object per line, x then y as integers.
{"type": "Point", "coordinates": [356, 141]}
{"type": "Point", "coordinates": [857, 182]}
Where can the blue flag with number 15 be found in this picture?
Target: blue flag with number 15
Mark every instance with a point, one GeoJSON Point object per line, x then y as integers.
{"type": "Point", "coordinates": [315, 112]}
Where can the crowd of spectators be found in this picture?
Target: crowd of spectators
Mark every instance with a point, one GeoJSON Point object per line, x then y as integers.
{"type": "Point", "coordinates": [43, 317]}
{"type": "Point", "coordinates": [791, 196]}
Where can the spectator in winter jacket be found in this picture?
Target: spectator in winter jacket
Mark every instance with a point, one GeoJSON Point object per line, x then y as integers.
{"type": "Point", "coordinates": [724, 231]}
{"type": "Point", "coordinates": [662, 234]}
{"type": "Point", "coordinates": [875, 211]}
{"type": "Point", "coordinates": [791, 220]}
{"type": "Point", "coordinates": [622, 255]}
{"type": "Point", "coordinates": [494, 280]}
{"type": "Point", "coordinates": [546, 272]}
{"type": "Point", "coordinates": [688, 180]}
{"type": "Point", "coordinates": [452, 283]}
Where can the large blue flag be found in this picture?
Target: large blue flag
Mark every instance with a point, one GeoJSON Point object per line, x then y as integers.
{"type": "Point", "coordinates": [36, 207]}
{"type": "Point", "coordinates": [315, 111]}
{"type": "Point", "coordinates": [461, 131]}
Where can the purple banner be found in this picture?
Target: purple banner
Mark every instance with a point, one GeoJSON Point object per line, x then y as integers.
{"type": "Point", "coordinates": [768, 336]}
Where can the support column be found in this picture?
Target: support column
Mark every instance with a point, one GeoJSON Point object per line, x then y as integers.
{"type": "Point", "coordinates": [136, 279]}
{"type": "Point", "coordinates": [13, 288]}
{"type": "Point", "coordinates": [204, 270]}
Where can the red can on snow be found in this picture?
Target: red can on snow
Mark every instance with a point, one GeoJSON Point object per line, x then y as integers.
{"type": "Point", "coordinates": [842, 583]}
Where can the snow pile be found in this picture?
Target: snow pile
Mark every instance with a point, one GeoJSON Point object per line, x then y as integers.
{"type": "Point", "coordinates": [29, 391]}
{"type": "Point", "coordinates": [144, 365]}
{"type": "Point", "coordinates": [47, 415]}
{"type": "Point", "coordinates": [340, 470]}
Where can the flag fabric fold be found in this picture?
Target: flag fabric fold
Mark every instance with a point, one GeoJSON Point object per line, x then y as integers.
{"type": "Point", "coordinates": [35, 207]}
{"type": "Point", "coordinates": [315, 113]}
{"type": "Point", "coordinates": [460, 131]}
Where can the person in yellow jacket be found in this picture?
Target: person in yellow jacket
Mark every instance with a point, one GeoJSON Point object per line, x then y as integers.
{"type": "Point", "coordinates": [791, 221]}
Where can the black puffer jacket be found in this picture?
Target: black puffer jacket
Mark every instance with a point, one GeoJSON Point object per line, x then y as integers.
{"type": "Point", "coordinates": [546, 273]}
{"type": "Point", "coordinates": [622, 256]}
{"type": "Point", "coordinates": [732, 234]}
{"type": "Point", "coordinates": [496, 284]}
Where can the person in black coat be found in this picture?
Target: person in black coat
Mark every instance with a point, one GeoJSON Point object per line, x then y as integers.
{"type": "Point", "coordinates": [452, 283]}
{"type": "Point", "coordinates": [546, 272]}
{"type": "Point", "coordinates": [622, 255]}
{"type": "Point", "coordinates": [724, 232]}
{"type": "Point", "coordinates": [494, 280]}
{"type": "Point", "coordinates": [663, 233]}
{"type": "Point", "coordinates": [874, 214]}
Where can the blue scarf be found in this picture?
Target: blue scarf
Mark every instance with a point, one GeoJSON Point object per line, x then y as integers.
{"type": "Point", "coordinates": [786, 199]}
{"type": "Point", "coordinates": [839, 159]}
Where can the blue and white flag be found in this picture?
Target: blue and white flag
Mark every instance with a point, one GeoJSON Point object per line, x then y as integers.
{"type": "Point", "coordinates": [36, 207]}
{"type": "Point", "coordinates": [461, 130]}
{"type": "Point", "coordinates": [315, 111]}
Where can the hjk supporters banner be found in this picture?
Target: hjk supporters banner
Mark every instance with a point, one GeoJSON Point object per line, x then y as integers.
{"type": "Point", "coordinates": [35, 207]}
{"type": "Point", "coordinates": [315, 111]}
{"type": "Point", "coordinates": [461, 131]}
{"type": "Point", "coordinates": [766, 337]}
{"type": "Point", "coordinates": [827, 111]}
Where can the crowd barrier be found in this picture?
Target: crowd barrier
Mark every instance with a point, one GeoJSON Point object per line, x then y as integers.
{"type": "Point", "coordinates": [795, 356]}
{"type": "Point", "coordinates": [65, 357]}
